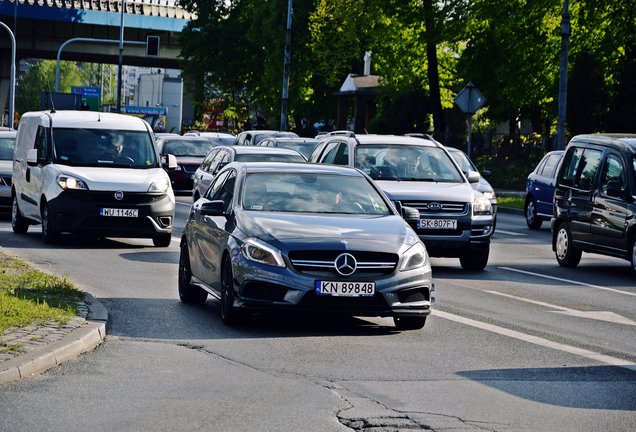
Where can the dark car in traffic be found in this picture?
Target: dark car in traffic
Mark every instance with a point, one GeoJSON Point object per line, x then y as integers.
{"type": "Point", "coordinates": [7, 144]}
{"type": "Point", "coordinates": [254, 137]}
{"type": "Point", "coordinates": [304, 146]}
{"type": "Point", "coordinates": [223, 155]}
{"type": "Point", "coordinates": [540, 190]}
{"type": "Point", "coordinates": [303, 237]}
{"type": "Point", "coordinates": [190, 152]}
{"type": "Point", "coordinates": [595, 199]}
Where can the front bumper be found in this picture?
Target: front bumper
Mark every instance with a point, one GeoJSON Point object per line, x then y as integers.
{"type": "Point", "coordinates": [79, 212]}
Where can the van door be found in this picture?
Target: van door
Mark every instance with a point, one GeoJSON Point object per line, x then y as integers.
{"type": "Point", "coordinates": [32, 185]}
{"type": "Point", "coordinates": [574, 195]}
{"type": "Point", "coordinates": [611, 212]}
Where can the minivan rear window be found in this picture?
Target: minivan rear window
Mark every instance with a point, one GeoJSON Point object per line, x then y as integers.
{"type": "Point", "coordinates": [103, 147]}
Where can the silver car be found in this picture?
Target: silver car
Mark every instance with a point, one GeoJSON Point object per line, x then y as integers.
{"type": "Point", "coordinates": [7, 144]}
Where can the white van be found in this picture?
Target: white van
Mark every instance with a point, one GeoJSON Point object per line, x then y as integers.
{"type": "Point", "coordinates": [92, 173]}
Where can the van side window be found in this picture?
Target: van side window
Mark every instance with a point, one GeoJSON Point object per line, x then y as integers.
{"type": "Point", "coordinates": [41, 143]}
{"type": "Point", "coordinates": [550, 165]}
{"type": "Point", "coordinates": [613, 171]}
{"type": "Point", "coordinates": [580, 167]}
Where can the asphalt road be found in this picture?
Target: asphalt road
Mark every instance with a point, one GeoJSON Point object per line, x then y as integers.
{"type": "Point", "coordinates": [523, 346]}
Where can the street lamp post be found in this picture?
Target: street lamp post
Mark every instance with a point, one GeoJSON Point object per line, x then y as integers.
{"type": "Point", "coordinates": [563, 76]}
{"type": "Point", "coordinates": [121, 55]}
{"type": "Point", "coordinates": [11, 76]}
{"type": "Point", "coordinates": [283, 112]}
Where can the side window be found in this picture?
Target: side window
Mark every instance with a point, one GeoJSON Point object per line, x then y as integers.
{"type": "Point", "coordinates": [216, 186]}
{"type": "Point", "coordinates": [205, 165]}
{"type": "Point", "coordinates": [41, 143]}
{"type": "Point", "coordinates": [568, 169]}
{"type": "Point", "coordinates": [588, 167]}
{"type": "Point", "coordinates": [551, 165]}
{"type": "Point", "coordinates": [613, 171]}
{"type": "Point", "coordinates": [336, 153]}
{"type": "Point", "coordinates": [226, 192]}
{"type": "Point", "coordinates": [317, 153]}
{"type": "Point", "coordinates": [541, 166]}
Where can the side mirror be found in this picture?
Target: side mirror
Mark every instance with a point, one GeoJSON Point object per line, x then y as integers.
{"type": "Point", "coordinates": [410, 214]}
{"type": "Point", "coordinates": [614, 189]}
{"type": "Point", "coordinates": [473, 176]}
{"type": "Point", "coordinates": [169, 161]}
{"type": "Point", "coordinates": [32, 157]}
{"type": "Point", "coordinates": [486, 173]}
{"type": "Point", "coordinates": [212, 208]}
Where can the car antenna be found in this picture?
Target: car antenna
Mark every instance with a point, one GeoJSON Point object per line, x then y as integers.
{"type": "Point", "coordinates": [52, 103]}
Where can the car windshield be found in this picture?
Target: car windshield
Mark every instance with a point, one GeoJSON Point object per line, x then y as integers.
{"type": "Point", "coordinates": [305, 148]}
{"type": "Point", "coordinates": [182, 147]}
{"type": "Point", "coordinates": [312, 193]}
{"type": "Point", "coordinates": [262, 157]}
{"type": "Point", "coordinates": [6, 148]}
{"type": "Point", "coordinates": [99, 147]}
{"type": "Point", "coordinates": [406, 162]}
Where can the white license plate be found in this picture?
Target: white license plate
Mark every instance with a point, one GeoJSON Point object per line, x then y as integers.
{"type": "Point", "coordinates": [345, 289]}
{"type": "Point", "coordinates": [117, 212]}
{"type": "Point", "coordinates": [449, 224]}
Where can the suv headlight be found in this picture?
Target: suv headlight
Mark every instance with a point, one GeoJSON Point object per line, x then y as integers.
{"type": "Point", "coordinates": [69, 182]}
{"type": "Point", "coordinates": [414, 257]}
{"type": "Point", "coordinates": [261, 252]}
{"type": "Point", "coordinates": [160, 185]}
{"type": "Point", "coordinates": [482, 206]}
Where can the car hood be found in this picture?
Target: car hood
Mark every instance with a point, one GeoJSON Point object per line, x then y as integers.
{"type": "Point", "coordinates": [190, 160]}
{"type": "Point", "coordinates": [289, 231]}
{"type": "Point", "coordinates": [417, 190]}
{"type": "Point", "coordinates": [123, 179]}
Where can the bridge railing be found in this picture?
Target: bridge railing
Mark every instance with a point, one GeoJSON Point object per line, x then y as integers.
{"type": "Point", "coordinates": [161, 8]}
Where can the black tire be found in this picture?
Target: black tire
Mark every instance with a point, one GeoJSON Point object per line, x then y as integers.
{"type": "Point", "coordinates": [19, 223]}
{"type": "Point", "coordinates": [188, 293]}
{"type": "Point", "coordinates": [49, 234]}
{"type": "Point", "coordinates": [409, 323]}
{"type": "Point", "coordinates": [475, 259]}
{"type": "Point", "coordinates": [162, 240]}
{"type": "Point", "coordinates": [566, 254]}
{"type": "Point", "coordinates": [229, 314]}
{"type": "Point", "coordinates": [532, 219]}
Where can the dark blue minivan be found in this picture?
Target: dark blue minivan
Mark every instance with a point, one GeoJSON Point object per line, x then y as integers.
{"type": "Point", "coordinates": [540, 190]}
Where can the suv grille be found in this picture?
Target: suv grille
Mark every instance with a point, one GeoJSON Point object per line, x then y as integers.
{"type": "Point", "coordinates": [322, 263]}
{"type": "Point", "coordinates": [438, 208]}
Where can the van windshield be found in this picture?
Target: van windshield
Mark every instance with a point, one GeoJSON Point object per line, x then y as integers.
{"type": "Point", "coordinates": [103, 147]}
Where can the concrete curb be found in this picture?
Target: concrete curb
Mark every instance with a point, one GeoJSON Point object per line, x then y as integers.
{"type": "Point", "coordinates": [70, 346]}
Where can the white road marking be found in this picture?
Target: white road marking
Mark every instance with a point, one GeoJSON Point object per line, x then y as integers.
{"type": "Point", "coordinates": [597, 315]}
{"type": "Point", "coordinates": [570, 281]}
{"type": "Point", "coordinates": [512, 233]}
{"type": "Point", "coordinates": [613, 361]}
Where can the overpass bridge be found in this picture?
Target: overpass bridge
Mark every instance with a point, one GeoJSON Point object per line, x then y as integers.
{"type": "Point", "coordinates": [42, 26]}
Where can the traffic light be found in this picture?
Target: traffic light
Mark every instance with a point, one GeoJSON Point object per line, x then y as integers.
{"type": "Point", "coordinates": [152, 46]}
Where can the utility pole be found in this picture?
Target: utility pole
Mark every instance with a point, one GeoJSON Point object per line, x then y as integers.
{"type": "Point", "coordinates": [283, 112]}
{"type": "Point", "coordinates": [563, 76]}
{"type": "Point", "coordinates": [121, 55]}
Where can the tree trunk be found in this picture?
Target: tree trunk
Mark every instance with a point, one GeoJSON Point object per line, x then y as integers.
{"type": "Point", "coordinates": [433, 75]}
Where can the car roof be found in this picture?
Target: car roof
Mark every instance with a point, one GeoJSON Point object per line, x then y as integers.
{"type": "Point", "coordinates": [182, 138]}
{"type": "Point", "coordinates": [210, 134]}
{"type": "Point", "coordinates": [292, 139]}
{"type": "Point", "coordinates": [261, 150]}
{"type": "Point", "coordinates": [90, 120]}
{"type": "Point", "coordinates": [302, 167]}
{"type": "Point", "coordinates": [373, 139]}
{"type": "Point", "coordinates": [615, 139]}
{"type": "Point", "coordinates": [11, 133]}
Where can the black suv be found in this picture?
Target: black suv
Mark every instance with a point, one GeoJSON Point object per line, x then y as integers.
{"type": "Point", "coordinates": [423, 180]}
{"type": "Point", "coordinates": [595, 199]}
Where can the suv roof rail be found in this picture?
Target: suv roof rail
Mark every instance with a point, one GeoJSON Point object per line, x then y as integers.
{"type": "Point", "coordinates": [423, 136]}
{"type": "Point", "coordinates": [347, 133]}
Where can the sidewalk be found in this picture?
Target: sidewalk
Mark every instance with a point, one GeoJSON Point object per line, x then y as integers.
{"type": "Point", "coordinates": [43, 347]}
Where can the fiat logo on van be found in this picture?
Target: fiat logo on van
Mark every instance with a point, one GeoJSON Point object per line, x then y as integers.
{"type": "Point", "coordinates": [119, 195]}
{"type": "Point", "coordinates": [434, 206]}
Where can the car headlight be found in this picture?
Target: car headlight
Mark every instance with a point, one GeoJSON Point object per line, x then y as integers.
{"type": "Point", "coordinates": [70, 182]}
{"type": "Point", "coordinates": [489, 194]}
{"type": "Point", "coordinates": [160, 185]}
{"type": "Point", "coordinates": [415, 257]}
{"type": "Point", "coordinates": [258, 251]}
{"type": "Point", "coordinates": [482, 206]}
